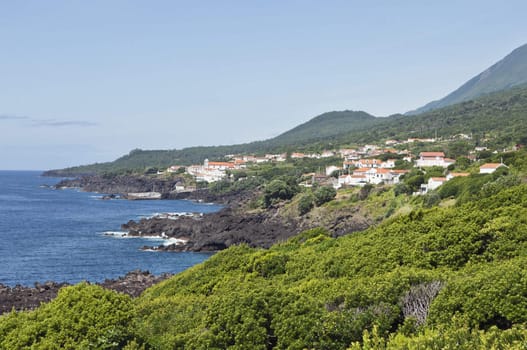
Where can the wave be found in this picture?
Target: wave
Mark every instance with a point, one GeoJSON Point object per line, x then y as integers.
{"type": "Point", "coordinates": [166, 241]}
{"type": "Point", "coordinates": [173, 215]}
{"type": "Point", "coordinates": [176, 241]}
{"type": "Point", "coordinates": [118, 234]}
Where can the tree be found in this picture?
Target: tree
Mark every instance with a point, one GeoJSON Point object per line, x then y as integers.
{"type": "Point", "coordinates": [462, 163]}
{"type": "Point", "coordinates": [324, 194]}
{"type": "Point", "coordinates": [306, 203]}
{"type": "Point", "coordinates": [277, 190]}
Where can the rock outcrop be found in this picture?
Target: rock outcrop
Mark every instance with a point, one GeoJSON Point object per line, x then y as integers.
{"type": "Point", "coordinates": [122, 184]}
{"type": "Point", "coordinates": [220, 230]}
{"type": "Point", "coordinates": [29, 298]}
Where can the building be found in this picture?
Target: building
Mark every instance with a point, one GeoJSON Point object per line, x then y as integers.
{"type": "Point", "coordinates": [388, 164]}
{"type": "Point", "coordinates": [298, 155]}
{"type": "Point", "coordinates": [218, 165]}
{"type": "Point", "coordinates": [363, 163]}
{"type": "Point", "coordinates": [450, 176]}
{"type": "Point", "coordinates": [427, 159]}
{"type": "Point", "coordinates": [433, 183]}
{"type": "Point", "coordinates": [489, 168]}
{"type": "Point", "coordinates": [352, 180]}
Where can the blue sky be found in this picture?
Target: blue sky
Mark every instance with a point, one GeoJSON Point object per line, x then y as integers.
{"type": "Point", "coordinates": [87, 81]}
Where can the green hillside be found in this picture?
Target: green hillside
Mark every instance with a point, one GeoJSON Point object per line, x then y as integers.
{"type": "Point", "coordinates": [325, 126]}
{"type": "Point", "coordinates": [509, 72]}
{"type": "Point", "coordinates": [431, 279]}
{"type": "Point", "coordinates": [498, 119]}
{"type": "Point", "coordinates": [320, 128]}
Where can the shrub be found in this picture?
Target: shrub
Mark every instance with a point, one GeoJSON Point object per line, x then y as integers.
{"type": "Point", "coordinates": [324, 195]}
{"type": "Point", "coordinates": [306, 203]}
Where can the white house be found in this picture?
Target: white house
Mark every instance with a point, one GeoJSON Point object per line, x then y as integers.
{"type": "Point", "coordinates": [378, 175]}
{"type": "Point", "coordinates": [298, 155]}
{"type": "Point", "coordinates": [363, 163]}
{"type": "Point", "coordinates": [327, 154]}
{"type": "Point", "coordinates": [388, 164]}
{"type": "Point", "coordinates": [210, 175]}
{"type": "Point", "coordinates": [352, 180]}
{"type": "Point", "coordinates": [433, 183]}
{"type": "Point", "coordinates": [433, 159]}
{"type": "Point", "coordinates": [218, 165]}
{"type": "Point", "coordinates": [489, 168]}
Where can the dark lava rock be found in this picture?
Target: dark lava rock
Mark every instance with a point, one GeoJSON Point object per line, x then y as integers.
{"type": "Point", "coordinates": [121, 184]}
{"type": "Point", "coordinates": [28, 298]}
{"type": "Point", "coordinates": [134, 282]}
{"type": "Point", "coordinates": [216, 231]}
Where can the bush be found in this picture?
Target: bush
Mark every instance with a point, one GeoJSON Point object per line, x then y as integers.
{"type": "Point", "coordinates": [82, 316]}
{"type": "Point", "coordinates": [431, 199]}
{"type": "Point", "coordinates": [277, 190]}
{"type": "Point", "coordinates": [324, 195]}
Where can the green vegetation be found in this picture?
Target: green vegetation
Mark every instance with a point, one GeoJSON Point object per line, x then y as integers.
{"type": "Point", "coordinates": [82, 316]}
{"type": "Point", "coordinates": [432, 278]}
{"type": "Point", "coordinates": [443, 270]}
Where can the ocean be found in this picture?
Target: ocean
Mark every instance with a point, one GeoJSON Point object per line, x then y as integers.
{"type": "Point", "coordinates": [61, 235]}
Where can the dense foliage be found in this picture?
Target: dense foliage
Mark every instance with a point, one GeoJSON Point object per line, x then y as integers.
{"type": "Point", "coordinates": [82, 316]}
{"type": "Point", "coordinates": [314, 291]}
{"type": "Point", "coordinates": [432, 278]}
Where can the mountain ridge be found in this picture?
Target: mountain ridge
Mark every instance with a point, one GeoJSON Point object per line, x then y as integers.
{"type": "Point", "coordinates": [508, 72]}
{"type": "Point", "coordinates": [501, 114]}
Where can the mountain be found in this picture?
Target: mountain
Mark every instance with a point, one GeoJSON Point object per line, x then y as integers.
{"type": "Point", "coordinates": [498, 119]}
{"type": "Point", "coordinates": [509, 72]}
{"type": "Point", "coordinates": [323, 127]}
{"type": "Point", "coordinates": [326, 126]}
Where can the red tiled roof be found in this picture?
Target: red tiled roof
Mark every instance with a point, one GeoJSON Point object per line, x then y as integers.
{"type": "Point", "coordinates": [459, 174]}
{"type": "Point", "coordinates": [225, 164]}
{"type": "Point", "coordinates": [439, 179]}
{"type": "Point", "coordinates": [431, 154]}
{"type": "Point", "coordinates": [491, 166]}
{"type": "Point", "coordinates": [383, 171]}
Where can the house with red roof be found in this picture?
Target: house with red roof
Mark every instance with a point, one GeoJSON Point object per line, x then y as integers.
{"type": "Point", "coordinates": [427, 159]}
{"type": "Point", "coordinates": [489, 168]}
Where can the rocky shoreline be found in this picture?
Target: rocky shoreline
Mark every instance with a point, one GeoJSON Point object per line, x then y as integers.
{"type": "Point", "coordinates": [234, 224]}
{"type": "Point", "coordinates": [121, 185]}
{"type": "Point", "coordinates": [215, 231]}
{"type": "Point", "coordinates": [29, 298]}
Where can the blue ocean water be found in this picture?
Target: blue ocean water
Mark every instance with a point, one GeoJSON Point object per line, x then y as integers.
{"type": "Point", "coordinates": [58, 235]}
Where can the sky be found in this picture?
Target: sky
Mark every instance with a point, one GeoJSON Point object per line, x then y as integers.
{"type": "Point", "coordinates": [88, 81]}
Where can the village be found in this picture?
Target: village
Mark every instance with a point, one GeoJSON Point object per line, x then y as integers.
{"type": "Point", "coordinates": [359, 166]}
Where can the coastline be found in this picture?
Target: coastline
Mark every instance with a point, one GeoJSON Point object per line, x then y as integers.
{"type": "Point", "coordinates": [234, 224]}
{"type": "Point", "coordinates": [21, 298]}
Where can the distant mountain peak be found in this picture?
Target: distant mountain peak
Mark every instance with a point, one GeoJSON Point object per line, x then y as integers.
{"type": "Point", "coordinates": [509, 72]}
